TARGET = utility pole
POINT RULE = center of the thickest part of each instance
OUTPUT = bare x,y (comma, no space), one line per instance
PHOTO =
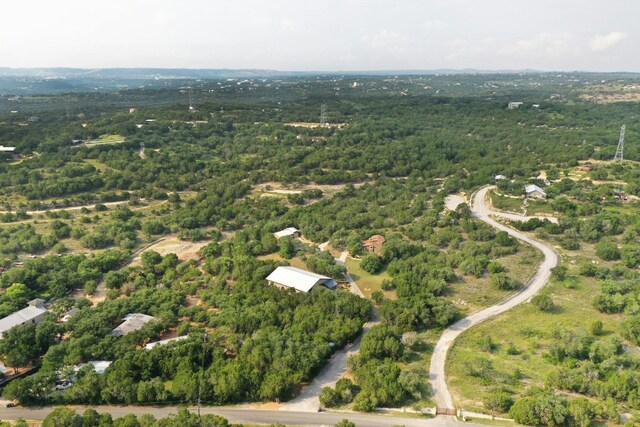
620,150
192,108
204,352
323,115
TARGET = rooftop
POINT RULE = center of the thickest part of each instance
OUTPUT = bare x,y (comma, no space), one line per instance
23,316
163,342
290,231
100,366
299,279
132,322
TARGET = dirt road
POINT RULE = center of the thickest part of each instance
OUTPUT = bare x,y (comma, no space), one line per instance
480,210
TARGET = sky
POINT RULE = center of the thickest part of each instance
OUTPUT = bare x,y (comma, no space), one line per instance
323,35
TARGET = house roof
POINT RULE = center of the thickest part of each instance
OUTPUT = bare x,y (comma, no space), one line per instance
163,342
7,149
19,317
100,366
132,322
69,314
290,231
532,188
299,279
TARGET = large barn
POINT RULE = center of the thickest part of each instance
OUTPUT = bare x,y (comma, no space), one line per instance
299,279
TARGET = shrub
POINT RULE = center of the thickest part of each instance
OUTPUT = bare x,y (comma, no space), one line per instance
596,328
504,282
544,302
498,402
607,251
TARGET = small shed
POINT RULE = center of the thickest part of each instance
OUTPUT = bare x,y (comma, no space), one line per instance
289,231
299,279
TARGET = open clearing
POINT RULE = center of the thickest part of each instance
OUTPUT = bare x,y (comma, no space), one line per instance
184,250
312,125
367,282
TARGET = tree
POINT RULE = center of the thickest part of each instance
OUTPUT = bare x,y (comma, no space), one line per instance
345,423
328,397
62,417
544,302
371,263
287,248
499,402
381,342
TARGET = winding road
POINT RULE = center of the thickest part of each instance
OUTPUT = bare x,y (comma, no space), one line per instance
480,210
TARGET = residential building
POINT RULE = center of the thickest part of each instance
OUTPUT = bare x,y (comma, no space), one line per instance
290,231
33,313
132,322
533,190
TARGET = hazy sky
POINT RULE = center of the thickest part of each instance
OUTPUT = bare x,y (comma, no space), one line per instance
593,35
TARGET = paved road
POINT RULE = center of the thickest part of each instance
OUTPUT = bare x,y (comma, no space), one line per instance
236,415
479,210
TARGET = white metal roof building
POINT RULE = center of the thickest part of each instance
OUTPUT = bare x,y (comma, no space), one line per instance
290,231
132,322
163,342
100,366
7,149
299,279
33,313
534,190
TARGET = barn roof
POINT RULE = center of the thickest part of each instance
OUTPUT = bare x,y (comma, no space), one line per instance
299,279
289,231
20,317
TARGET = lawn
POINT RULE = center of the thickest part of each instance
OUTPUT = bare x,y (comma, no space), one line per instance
472,294
525,332
506,203
367,282
108,139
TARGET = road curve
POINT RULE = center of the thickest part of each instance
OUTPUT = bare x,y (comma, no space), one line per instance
479,210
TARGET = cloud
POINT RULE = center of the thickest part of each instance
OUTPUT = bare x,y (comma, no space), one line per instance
603,42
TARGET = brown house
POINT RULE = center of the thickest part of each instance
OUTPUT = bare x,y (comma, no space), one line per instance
584,168
374,243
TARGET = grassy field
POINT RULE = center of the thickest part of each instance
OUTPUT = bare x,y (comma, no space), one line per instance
367,282
107,139
535,207
506,204
520,338
473,294
294,262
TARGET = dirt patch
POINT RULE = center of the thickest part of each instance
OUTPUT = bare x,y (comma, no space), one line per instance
311,125
184,250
